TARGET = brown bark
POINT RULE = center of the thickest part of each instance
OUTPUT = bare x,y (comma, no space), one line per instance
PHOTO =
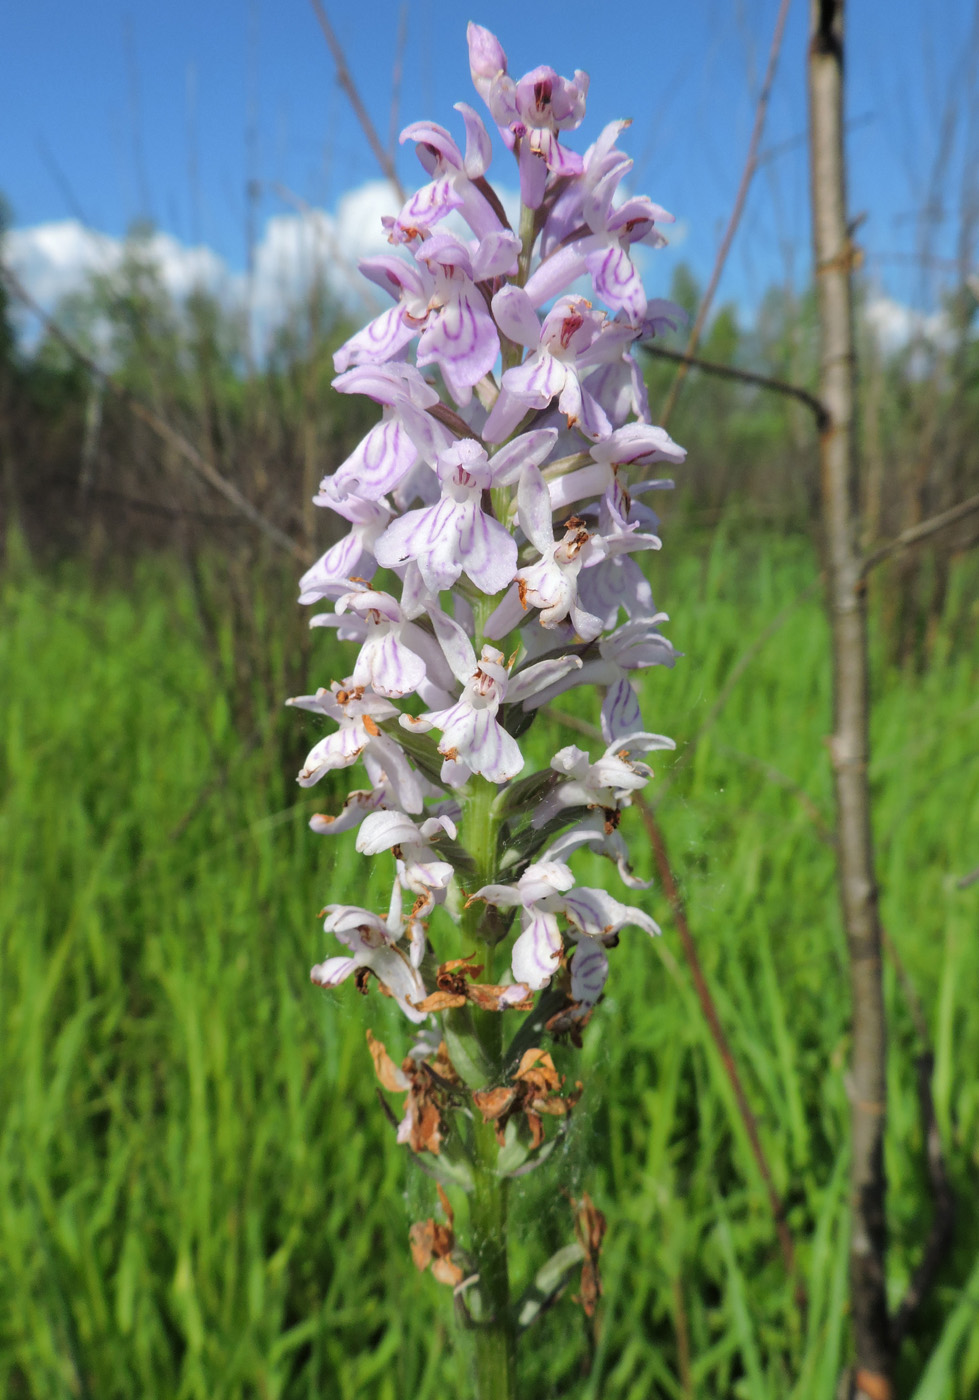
850,743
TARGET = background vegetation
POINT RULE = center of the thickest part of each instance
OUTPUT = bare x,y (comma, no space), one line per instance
199,1195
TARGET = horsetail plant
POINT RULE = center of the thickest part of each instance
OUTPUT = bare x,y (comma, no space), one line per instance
495,511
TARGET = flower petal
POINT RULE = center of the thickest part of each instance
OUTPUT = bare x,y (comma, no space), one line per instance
516,317
332,972
589,971
537,951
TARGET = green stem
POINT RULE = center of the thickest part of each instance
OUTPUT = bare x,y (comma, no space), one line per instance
528,233
495,1331
496,1351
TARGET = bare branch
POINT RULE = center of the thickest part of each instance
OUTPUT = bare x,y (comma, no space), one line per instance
745,376
346,81
833,256
747,175
168,434
916,533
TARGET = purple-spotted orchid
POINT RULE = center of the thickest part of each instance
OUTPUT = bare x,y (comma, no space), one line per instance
487,564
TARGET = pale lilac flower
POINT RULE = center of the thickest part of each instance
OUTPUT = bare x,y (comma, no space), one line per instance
566,213
602,790
471,734
358,804
390,334
585,577
530,111
397,657
595,920
473,740
633,646
544,891
595,914
572,340
551,585
419,869
357,712
460,335
537,950
352,555
607,783
608,234
372,941
389,452
452,185
589,971
634,445
549,527
615,581
456,535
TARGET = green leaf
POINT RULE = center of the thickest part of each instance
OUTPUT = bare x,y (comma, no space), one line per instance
520,848
523,793
420,748
548,1282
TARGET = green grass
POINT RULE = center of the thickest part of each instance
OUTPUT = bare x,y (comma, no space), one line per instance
199,1195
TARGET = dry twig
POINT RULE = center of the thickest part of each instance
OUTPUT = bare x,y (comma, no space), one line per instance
745,376
345,79
922,531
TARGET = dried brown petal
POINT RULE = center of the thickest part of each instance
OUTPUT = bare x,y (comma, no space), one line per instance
555,1106
488,998
446,1203
447,1272
536,1129
465,966
422,1240
392,1078
591,1288
589,1226
537,1069
443,1066
433,1243
494,1102
440,1001
426,1125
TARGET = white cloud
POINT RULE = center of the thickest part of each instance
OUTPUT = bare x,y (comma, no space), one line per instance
895,325
295,250
54,260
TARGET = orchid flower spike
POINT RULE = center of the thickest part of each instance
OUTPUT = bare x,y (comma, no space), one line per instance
493,529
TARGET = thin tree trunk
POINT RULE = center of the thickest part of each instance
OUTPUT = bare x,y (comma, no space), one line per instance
850,744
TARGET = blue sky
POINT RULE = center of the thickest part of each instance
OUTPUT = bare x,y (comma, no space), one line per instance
117,111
